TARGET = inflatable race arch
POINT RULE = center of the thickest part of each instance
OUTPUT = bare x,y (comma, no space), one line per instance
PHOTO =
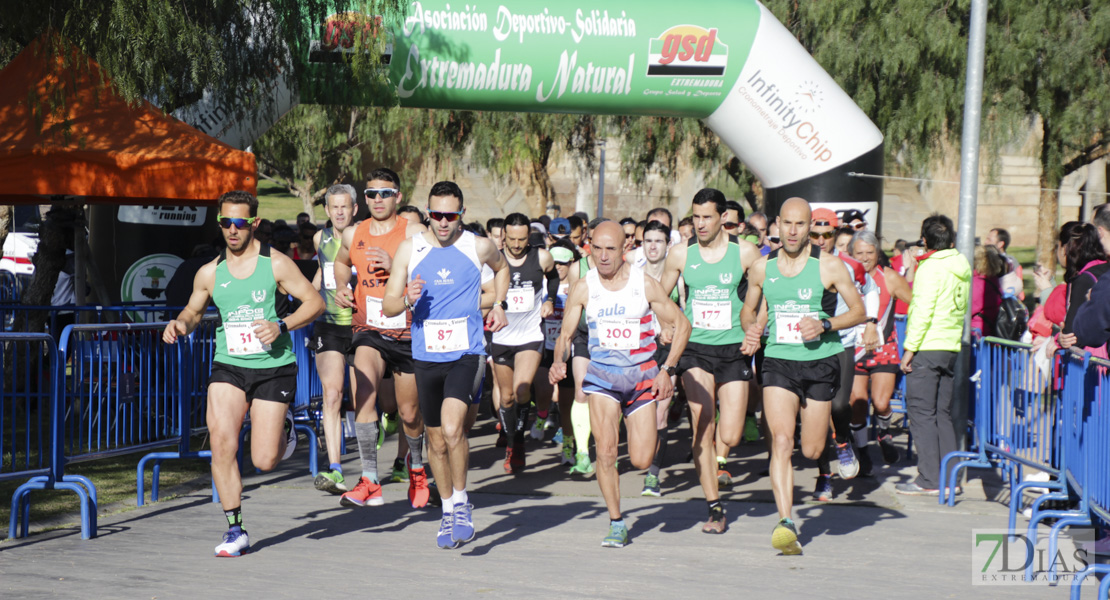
728,62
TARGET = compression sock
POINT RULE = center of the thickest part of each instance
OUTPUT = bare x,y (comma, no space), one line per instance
416,451
508,418
580,422
234,517
367,436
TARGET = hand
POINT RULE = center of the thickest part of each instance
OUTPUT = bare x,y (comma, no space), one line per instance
810,329
546,309
1066,340
379,259
661,386
173,329
496,319
871,337
345,298
907,361
1041,278
666,335
266,331
557,373
751,339
416,287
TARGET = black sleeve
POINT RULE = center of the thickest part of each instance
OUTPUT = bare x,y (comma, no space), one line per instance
552,284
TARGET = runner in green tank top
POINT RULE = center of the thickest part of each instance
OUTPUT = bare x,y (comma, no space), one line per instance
714,373
796,287
254,359
331,334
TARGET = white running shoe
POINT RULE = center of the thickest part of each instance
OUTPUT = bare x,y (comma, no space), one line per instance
235,544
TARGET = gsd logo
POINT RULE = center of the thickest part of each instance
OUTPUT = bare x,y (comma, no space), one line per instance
687,50
258,295
726,278
805,293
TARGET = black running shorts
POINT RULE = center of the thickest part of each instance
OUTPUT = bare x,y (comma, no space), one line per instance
436,381
277,384
397,354
812,379
725,363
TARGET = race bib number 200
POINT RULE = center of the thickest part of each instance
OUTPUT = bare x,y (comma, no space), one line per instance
619,334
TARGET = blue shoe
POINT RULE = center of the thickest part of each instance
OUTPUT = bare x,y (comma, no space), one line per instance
235,543
617,538
463,528
823,491
443,537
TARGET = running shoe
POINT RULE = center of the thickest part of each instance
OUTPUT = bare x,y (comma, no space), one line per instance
849,465
434,499
716,522
865,463
891,454
617,538
785,538
537,429
502,441
400,472
390,421
290,436
515,459
558,439
383,421
912,489
651,486
443,536
724,478
330,482
823,492
235,543
751,429
568,453
418,488
582,464
463,528
366,492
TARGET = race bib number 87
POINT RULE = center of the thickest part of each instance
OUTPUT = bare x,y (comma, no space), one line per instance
446,335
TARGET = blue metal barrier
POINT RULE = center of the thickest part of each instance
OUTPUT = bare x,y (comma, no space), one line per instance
1015,421
15,316
1086,382
11,287
30,429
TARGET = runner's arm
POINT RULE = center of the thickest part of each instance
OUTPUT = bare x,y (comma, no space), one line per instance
189,317
669,315
396,301
753,320
290,279
548,265
344,295
490,255
318,277
672,268
572,312
897,286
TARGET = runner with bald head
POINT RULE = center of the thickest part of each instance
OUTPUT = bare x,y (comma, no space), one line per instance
623,377
794,290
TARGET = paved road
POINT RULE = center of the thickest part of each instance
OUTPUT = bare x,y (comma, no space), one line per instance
539,536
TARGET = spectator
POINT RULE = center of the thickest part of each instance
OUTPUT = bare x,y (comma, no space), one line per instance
264,232
844,235
1085,263
758,220
303,218
413,214
986,293
578,232
1100,218
495,227
284,239
853,219
1011,280
628,224
933,338
900,246
305,250
774,242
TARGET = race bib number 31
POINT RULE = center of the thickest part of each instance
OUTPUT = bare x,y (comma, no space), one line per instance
619,334
241,340
446,335
788,327
716,316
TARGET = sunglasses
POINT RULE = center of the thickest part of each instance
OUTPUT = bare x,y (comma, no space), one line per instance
813,235
731,226
822,224
227,222
774,239
384,193
859,226
439,216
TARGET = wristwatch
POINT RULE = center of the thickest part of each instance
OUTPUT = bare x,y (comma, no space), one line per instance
283,327
872,320
826,325
669,369
504,304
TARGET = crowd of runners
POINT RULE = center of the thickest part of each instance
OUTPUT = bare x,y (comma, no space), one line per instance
569,325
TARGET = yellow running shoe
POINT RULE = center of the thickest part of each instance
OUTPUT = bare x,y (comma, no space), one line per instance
785,538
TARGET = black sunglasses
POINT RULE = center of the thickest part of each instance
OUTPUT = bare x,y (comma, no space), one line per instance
827,235
774,239
439,216
384,193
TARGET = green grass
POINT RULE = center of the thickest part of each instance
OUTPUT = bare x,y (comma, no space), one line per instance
275,202
115,482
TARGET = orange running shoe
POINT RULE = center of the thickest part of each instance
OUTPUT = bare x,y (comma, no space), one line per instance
418,488
366,492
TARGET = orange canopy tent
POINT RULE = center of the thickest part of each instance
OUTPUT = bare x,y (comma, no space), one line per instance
98,148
